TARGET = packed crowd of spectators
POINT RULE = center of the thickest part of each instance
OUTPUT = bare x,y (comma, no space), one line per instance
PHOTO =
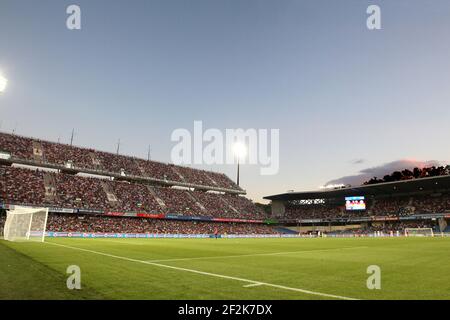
390,207
25,186
401,206
405,206
78,192
244,205
102,224
134,197
222,180
83,158
21,186
179,201
18,146
416,173
56,153
432,204
313,212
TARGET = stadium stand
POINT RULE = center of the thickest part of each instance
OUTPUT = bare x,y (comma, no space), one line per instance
402,206
94,191
36,187
36,152
312,212
102,224
417,198
21,186
88,223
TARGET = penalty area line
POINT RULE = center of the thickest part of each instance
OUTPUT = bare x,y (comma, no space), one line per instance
216,275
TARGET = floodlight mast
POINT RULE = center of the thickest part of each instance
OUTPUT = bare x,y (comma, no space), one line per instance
238,172
239,151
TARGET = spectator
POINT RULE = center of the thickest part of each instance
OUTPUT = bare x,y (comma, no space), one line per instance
43,188
40,152
102,224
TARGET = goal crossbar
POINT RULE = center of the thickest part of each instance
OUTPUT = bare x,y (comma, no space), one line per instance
419,232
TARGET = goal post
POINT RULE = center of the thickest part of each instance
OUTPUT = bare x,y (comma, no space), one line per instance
419,232
25,224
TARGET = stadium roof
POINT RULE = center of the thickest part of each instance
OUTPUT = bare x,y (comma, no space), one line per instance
432,184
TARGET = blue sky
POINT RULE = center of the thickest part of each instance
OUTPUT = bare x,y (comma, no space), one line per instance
138,70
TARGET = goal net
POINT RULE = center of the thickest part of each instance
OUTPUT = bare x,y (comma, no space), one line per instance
419,232
25,224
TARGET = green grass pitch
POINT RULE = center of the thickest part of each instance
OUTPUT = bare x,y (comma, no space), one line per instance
327,268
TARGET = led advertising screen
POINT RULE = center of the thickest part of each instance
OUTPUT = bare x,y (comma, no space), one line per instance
355,203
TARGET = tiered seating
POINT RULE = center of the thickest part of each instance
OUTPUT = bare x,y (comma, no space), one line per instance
222,180
102,224
115,163
59,154
215,205
158,170
21,186
193,176
401,206
25,186
84,223
179,202
313,212
19,147
431,204
89,159
388,207
244,206
135,197
80,192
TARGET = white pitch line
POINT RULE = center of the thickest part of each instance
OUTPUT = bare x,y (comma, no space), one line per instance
119,242
256,254
207,273
253,285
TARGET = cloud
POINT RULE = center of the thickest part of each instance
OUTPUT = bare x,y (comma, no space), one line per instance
382,170
358,161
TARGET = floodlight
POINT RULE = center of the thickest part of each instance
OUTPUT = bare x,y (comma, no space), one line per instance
239,150
3,83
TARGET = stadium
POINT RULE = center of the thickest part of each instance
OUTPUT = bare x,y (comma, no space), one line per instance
154,220
224,158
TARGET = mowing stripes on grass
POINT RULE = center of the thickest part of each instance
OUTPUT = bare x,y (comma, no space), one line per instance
256,254
252,282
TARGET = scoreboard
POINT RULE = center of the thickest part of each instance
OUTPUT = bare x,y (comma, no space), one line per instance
355,203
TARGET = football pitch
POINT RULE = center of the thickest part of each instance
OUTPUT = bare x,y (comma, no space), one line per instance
325,268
